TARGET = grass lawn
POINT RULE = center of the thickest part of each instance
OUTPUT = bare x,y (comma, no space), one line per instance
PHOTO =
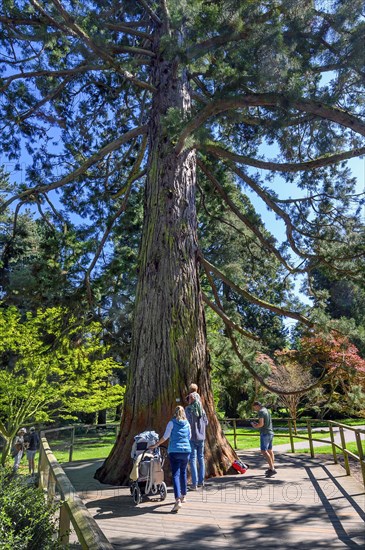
353,421
327,449
94,445
246,439
89,448
85,448
85,452
249,439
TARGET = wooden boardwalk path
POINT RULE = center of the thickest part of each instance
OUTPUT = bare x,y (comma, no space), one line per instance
308,504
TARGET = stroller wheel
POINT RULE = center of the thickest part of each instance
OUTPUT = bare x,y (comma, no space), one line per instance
163,491
137,496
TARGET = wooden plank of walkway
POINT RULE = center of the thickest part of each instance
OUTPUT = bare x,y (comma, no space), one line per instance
308,504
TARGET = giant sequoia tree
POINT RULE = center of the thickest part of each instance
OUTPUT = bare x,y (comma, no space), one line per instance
177,97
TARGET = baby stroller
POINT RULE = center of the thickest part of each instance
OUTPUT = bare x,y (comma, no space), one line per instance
147,476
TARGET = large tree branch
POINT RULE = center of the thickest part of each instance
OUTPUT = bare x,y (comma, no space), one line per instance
51,20
112,146
248,223
123,27
54,93
133,50
150,12
133,176
218,308
166,21
227,320
215,42
19,20
322,380
98,49
230,326
65,72
253,299
290,228
223,39
104,239
319,162
223,220
273,206
317,108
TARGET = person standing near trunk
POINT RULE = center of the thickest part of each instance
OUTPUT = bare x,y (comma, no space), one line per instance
179,432
264,423
198,422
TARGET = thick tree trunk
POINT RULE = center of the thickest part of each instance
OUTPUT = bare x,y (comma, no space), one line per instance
169,339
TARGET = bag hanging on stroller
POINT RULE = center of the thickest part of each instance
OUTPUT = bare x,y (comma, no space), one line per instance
147,476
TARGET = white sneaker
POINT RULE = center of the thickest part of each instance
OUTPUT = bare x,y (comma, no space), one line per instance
176,507
183,499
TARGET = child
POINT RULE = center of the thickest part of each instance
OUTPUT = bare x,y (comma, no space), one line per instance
194,401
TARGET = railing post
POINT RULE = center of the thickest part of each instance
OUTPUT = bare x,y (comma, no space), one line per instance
361,454
291,435
345,455
309,428
235,433
64,525
334,451
72,443
51,489
43,471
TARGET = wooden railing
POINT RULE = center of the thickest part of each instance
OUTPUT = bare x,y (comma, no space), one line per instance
294,434
85,427
346,453
73,511
53,480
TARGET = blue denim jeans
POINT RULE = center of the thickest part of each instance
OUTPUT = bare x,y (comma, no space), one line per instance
197,455
179,463
266,442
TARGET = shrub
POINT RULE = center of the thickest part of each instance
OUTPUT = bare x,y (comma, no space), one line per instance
26,521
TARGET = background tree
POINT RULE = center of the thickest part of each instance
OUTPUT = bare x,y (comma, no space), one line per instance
325,373
287,372
112,96
51,366
334,356
344,300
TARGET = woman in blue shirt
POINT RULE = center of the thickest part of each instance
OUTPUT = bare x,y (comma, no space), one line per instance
179,432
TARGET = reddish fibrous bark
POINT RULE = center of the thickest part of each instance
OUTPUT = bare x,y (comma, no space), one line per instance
168,349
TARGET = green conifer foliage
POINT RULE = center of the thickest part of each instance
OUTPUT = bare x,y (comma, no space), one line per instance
116,101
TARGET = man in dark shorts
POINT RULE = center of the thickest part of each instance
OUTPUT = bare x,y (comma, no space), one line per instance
264,423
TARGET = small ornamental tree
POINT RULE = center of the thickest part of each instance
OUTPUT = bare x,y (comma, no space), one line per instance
325,372
290,374
51,365
335,358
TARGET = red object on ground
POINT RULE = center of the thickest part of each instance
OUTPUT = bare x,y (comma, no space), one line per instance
240,467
